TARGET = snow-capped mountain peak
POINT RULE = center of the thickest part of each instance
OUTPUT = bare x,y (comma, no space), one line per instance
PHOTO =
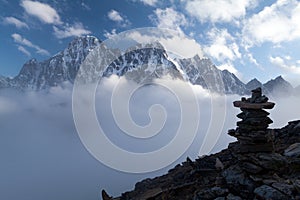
140,63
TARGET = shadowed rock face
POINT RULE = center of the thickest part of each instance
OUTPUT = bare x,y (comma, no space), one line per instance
268,167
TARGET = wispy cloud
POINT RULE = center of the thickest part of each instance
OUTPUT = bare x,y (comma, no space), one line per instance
282,63
148,2
252,59
23,41
14,21
70,30
169,18
117,17
85,6
25,51
110,34
222,45
230,67
44,12
218,10
169,39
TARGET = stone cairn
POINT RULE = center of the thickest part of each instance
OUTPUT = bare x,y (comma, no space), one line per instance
252,132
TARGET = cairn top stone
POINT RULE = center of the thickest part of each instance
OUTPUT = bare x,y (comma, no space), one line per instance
256,101
255,106
257,90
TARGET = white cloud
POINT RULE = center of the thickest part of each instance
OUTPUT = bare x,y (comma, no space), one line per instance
49,15
218,10
23,41
169,18
68,31
42,11
115,16
110,34
149,2
25,51
276,23
287,57
16,22
152,3
277,61
229,67
169,39
19,39
282,63
222,46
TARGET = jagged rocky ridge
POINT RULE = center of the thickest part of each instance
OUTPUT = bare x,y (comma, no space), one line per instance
57,69
3,82
153,59
235,173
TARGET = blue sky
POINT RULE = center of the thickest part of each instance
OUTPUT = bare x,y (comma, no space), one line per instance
250,38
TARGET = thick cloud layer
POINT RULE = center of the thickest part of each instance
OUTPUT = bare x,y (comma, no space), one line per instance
42,156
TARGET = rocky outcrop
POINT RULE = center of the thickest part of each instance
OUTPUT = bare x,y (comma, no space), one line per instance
252,133
105,196
264,174
3,82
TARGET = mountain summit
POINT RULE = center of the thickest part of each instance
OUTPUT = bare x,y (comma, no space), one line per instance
281,86
254,83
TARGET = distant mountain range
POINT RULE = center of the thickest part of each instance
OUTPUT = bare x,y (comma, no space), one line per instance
151,61
277,86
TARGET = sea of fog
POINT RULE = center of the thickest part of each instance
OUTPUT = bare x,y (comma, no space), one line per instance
42,156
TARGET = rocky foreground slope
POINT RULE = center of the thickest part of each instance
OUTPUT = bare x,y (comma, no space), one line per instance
264,164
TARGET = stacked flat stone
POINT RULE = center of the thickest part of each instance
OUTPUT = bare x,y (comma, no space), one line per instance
252,133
